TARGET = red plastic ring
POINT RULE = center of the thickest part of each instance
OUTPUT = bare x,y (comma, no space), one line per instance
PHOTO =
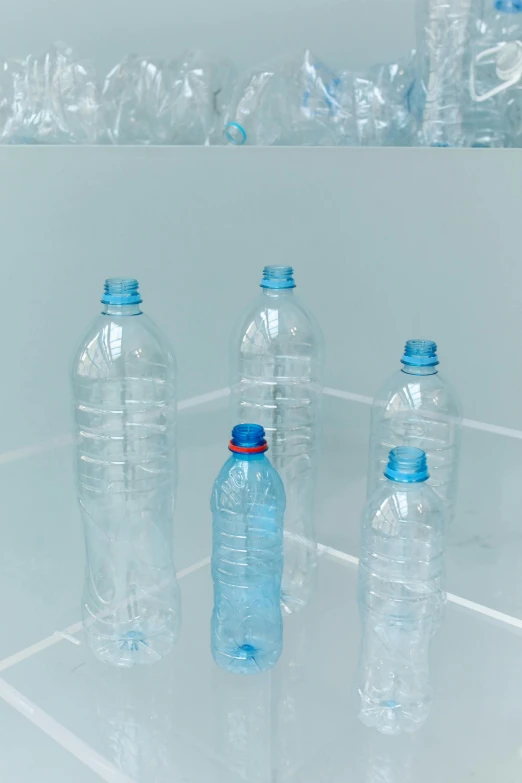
251,450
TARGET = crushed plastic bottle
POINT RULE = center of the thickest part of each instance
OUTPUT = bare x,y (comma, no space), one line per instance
381,103
201,90
54,100
291,102
248,505
183,101
135,99
401,594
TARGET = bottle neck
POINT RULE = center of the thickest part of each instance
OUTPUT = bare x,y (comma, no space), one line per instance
277,293
410,370
248,457
126,309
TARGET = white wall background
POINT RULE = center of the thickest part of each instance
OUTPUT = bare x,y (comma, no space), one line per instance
387,244
352,33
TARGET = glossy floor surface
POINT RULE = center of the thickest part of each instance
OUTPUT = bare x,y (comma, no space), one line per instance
64,717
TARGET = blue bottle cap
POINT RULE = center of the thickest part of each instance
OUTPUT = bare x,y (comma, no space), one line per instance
407,465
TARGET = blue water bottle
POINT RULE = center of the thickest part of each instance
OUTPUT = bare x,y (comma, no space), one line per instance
247,504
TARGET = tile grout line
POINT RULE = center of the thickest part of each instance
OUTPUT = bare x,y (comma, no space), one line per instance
66,633
507,432
62,736
508,619
66,440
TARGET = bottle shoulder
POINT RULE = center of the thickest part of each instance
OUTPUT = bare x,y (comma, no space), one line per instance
405,392
135,341
394,505
243,483
268,321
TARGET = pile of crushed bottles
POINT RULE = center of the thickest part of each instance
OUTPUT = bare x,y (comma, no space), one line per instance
460,87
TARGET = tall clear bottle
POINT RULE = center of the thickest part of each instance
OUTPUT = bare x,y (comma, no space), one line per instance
276,366
248,505
417,407
124,387
443,35
401,594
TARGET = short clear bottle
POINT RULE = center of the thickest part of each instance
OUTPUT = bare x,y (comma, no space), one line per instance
401,595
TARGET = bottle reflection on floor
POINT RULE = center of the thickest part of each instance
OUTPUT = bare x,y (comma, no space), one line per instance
386,759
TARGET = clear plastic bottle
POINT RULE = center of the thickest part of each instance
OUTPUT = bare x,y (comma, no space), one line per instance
53,99
495,74
442,48
124,385
291,102
382,97
401,595
248,505
276,365
417,407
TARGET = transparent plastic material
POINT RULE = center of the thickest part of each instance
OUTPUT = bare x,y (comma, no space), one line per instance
381,103
51,99
178,102
495,90
417,407
292,101
443,52
124,384
248,505
401,597
276,363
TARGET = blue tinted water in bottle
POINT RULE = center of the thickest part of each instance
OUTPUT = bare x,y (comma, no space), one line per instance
247,504
401,594
124,386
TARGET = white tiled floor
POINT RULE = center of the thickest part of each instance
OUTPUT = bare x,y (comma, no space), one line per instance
185,721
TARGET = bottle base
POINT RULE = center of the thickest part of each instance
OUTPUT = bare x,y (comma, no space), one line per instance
245,659
391,717
132,648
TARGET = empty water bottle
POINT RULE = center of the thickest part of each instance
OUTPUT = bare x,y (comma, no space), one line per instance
495,89
276,381
401,595
184,101
442,49
54,100
417,407
291,102
124,384
248,505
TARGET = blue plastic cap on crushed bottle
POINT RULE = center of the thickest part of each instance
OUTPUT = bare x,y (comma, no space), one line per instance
121,291
277,277
420,353
407,465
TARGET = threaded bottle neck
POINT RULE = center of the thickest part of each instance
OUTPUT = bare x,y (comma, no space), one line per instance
420,357
278,277
248,439
121,291
407,465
